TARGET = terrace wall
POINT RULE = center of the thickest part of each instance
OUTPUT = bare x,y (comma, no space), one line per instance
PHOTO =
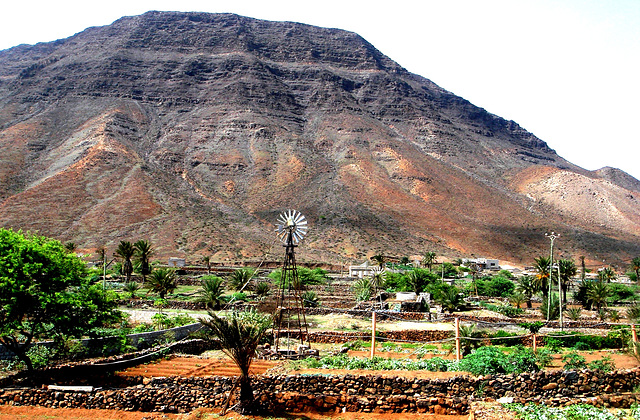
371,393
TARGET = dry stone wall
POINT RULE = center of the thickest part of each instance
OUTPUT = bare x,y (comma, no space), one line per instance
370,393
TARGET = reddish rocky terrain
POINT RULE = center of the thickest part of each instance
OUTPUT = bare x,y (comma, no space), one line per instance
195,130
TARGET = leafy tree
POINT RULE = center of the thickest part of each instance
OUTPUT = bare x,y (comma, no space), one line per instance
528,287
497,286
126,251
44,293
429,259
211,291
161,281
305,277
142,253
239,335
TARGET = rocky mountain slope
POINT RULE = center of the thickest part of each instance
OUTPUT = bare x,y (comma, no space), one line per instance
195,130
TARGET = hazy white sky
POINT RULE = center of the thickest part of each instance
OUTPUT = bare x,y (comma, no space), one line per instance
566,70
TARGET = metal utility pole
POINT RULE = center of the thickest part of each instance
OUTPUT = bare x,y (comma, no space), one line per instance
552,236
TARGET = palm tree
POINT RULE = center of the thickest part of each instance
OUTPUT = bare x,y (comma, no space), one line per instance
418,279
240,277
607,274
379,259
449,298
429,259
207,263
125,251
131,288
517,300
143,252
528,287
583,268
377,279
474,269
568,269
635,266
211,292
597,294
239,335
542,277
161,281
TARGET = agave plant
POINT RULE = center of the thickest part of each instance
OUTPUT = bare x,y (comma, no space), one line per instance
363,289
573,313
263,289
310,299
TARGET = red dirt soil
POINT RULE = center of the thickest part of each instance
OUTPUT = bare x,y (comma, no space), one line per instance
189,366
41,413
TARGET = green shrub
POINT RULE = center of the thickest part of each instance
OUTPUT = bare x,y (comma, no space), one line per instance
522,359
485,361
605,364
574,361
581,345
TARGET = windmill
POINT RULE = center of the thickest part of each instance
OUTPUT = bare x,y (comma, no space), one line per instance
290,321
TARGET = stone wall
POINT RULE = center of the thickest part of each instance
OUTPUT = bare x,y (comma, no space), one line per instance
370,393
401,335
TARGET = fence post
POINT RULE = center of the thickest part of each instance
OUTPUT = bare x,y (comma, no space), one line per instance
373,334
634,337
535,342
457,324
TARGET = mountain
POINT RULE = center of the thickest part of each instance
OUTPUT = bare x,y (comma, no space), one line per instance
196,130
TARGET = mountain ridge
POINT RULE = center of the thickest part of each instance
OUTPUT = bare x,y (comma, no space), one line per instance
212,124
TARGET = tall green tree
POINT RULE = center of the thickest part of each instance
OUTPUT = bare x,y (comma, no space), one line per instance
45,293
528,287
543,276
568,270
597,293
125,251
429,259
606,275
379,259
635,266
419,279
239,335
142,254
162,281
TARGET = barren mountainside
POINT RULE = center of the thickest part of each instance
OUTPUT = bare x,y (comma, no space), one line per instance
195,130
